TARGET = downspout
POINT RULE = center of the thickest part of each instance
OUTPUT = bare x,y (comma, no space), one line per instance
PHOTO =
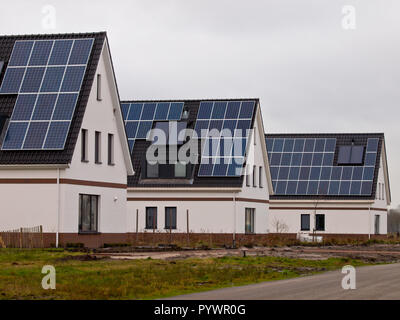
58,209
369,222
234,221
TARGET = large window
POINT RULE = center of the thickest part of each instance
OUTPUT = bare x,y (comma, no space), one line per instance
97,147
151,217
170,217
320,222
84,144
249,220
88,213
305,222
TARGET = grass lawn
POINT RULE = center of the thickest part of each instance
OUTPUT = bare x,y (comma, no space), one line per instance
20,274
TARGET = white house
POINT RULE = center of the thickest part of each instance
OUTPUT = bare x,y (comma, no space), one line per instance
329,184
64,157
92,169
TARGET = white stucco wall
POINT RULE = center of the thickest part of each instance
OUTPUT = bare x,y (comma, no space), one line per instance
28,205
99,116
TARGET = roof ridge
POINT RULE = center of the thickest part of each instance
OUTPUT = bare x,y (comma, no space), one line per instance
188,100
52,34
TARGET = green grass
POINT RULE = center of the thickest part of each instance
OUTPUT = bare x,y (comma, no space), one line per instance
20,274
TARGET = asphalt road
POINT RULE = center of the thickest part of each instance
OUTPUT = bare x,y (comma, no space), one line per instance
372,282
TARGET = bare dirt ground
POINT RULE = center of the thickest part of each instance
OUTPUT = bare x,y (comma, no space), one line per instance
373,253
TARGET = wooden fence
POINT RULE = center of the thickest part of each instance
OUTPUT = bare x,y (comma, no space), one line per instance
22,238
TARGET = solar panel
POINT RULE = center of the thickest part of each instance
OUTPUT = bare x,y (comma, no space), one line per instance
228,123
305,166
139,117
47,75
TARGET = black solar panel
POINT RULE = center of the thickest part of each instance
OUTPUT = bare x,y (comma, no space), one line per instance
139,117
305,166
47,76
224,126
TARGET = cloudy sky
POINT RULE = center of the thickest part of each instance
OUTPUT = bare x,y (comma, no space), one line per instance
314,67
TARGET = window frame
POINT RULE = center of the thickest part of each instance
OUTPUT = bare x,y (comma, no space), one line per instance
174,219
252,213
110,149
97,147
80,224
84,145
316,222
301,221
153,226
98,82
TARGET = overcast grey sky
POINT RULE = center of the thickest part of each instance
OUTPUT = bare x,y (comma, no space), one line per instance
310,73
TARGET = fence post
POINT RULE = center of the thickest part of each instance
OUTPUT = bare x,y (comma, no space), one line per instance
41,235
137,225
20,238
187,226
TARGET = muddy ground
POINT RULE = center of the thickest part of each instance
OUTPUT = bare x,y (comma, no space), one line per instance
372,253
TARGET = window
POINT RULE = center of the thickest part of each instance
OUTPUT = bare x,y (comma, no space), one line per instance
170,217
151,217
110,149
320,222
248,179
254,176
162,166
180,170
305,222
84,145
152,170
377,224
249,220
379,191
99,87
383,191
350,154
88,213
97,147
260,177
254,136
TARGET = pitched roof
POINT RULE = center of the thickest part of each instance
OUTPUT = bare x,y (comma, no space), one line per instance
342,139
195,181
8,157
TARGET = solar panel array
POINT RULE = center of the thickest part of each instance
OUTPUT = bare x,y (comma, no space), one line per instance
139,117
224,128
47,75
305,166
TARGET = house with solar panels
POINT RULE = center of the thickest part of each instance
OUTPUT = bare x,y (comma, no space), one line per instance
328,184
221,188
92,169
64,158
